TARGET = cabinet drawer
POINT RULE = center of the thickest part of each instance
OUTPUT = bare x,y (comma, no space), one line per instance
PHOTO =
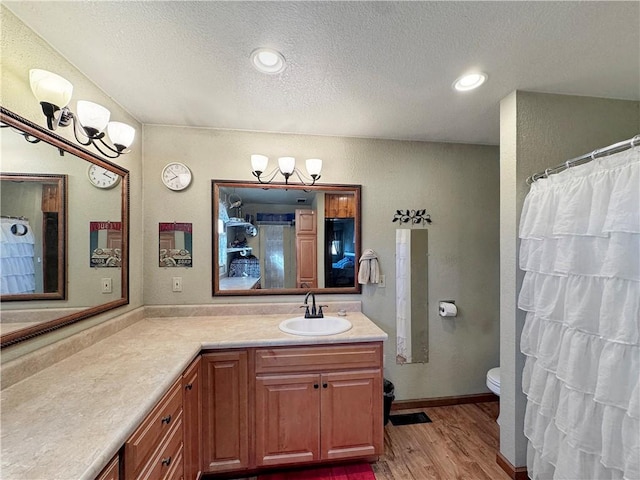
166,461
153,430
111,471
336,357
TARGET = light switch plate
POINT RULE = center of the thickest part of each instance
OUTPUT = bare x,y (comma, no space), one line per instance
106,285
382,283
177,284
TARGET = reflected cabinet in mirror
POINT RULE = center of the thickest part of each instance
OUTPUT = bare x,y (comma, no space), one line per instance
285,239
65,228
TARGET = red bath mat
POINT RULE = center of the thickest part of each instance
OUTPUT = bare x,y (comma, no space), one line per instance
360,471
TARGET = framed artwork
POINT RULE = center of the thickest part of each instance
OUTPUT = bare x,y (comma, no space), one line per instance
175,244
105,244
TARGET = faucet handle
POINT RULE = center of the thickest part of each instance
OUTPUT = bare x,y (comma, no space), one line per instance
306,312
320,314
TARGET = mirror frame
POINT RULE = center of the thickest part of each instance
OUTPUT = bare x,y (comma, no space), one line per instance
37,133
61,182
215,198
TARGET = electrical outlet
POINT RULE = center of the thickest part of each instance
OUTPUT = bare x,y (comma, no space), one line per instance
106,285
177,284
382,283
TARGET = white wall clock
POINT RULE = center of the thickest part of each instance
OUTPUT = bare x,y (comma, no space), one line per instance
176,176
102,178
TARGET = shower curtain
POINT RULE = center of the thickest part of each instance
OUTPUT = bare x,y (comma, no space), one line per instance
580,250
17,269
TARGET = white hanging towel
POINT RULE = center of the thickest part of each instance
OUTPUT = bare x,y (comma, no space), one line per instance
369,271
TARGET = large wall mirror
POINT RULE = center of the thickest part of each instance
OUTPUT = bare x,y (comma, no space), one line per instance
56,228
285,239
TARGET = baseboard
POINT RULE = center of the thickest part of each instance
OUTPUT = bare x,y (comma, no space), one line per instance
444,401
516,473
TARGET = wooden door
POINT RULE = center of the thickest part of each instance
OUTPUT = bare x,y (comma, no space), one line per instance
192,406
287,419
306,223
225,426
351,414
306,249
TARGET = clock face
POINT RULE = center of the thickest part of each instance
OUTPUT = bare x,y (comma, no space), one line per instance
176,176
102,178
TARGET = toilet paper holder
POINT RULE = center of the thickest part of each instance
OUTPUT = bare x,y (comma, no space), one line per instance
445,310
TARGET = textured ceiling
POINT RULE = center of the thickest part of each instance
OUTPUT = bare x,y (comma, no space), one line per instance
371,69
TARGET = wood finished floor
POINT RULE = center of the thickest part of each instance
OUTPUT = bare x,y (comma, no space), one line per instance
461,443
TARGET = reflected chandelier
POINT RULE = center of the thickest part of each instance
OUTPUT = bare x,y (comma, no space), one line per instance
286,167
89,123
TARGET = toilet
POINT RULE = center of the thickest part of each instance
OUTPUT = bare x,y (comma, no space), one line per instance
493,380
493,383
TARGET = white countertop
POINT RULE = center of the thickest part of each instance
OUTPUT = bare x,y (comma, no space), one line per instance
69,420
238,283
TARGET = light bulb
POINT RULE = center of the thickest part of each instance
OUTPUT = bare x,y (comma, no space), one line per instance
259,162
121,134
93,117
50,88
314,166
287,165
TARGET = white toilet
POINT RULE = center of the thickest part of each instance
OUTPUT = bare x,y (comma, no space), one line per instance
493,383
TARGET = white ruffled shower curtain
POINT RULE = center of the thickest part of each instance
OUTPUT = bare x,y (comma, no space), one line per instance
580,249
17,270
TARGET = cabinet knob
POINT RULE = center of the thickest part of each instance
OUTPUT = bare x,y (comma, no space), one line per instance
315,385
324,385
166,419
166,462
188,386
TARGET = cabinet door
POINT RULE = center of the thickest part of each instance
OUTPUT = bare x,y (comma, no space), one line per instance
111,471
225,434
287,419
306,223
306,258
351,414
191,391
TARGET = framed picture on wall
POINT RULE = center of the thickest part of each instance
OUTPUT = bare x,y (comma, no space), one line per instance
175,244
105,244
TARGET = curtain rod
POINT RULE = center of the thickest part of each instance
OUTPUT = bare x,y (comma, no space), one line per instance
586,158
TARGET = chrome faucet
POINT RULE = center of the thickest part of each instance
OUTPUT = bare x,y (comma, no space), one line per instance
313,313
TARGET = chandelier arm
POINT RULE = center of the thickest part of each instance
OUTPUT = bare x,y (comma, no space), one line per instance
97,145
77,130
303,178
114,150
269,176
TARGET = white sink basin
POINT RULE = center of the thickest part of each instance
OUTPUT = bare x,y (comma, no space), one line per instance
315,326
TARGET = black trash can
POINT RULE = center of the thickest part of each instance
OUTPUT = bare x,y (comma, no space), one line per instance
389,397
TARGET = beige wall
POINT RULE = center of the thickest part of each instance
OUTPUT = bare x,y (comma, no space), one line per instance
22,50
538,131
456,184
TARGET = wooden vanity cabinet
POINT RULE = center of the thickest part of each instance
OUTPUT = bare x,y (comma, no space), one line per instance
111,471
318,403
155,449
225,411
192,412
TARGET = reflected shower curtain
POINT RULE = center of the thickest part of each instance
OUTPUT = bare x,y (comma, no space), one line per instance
580,249
17,270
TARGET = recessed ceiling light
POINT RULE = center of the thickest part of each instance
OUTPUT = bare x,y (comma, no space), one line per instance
267,60
469,81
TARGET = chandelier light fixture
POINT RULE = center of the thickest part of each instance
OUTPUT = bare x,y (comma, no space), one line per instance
91,122
287,168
